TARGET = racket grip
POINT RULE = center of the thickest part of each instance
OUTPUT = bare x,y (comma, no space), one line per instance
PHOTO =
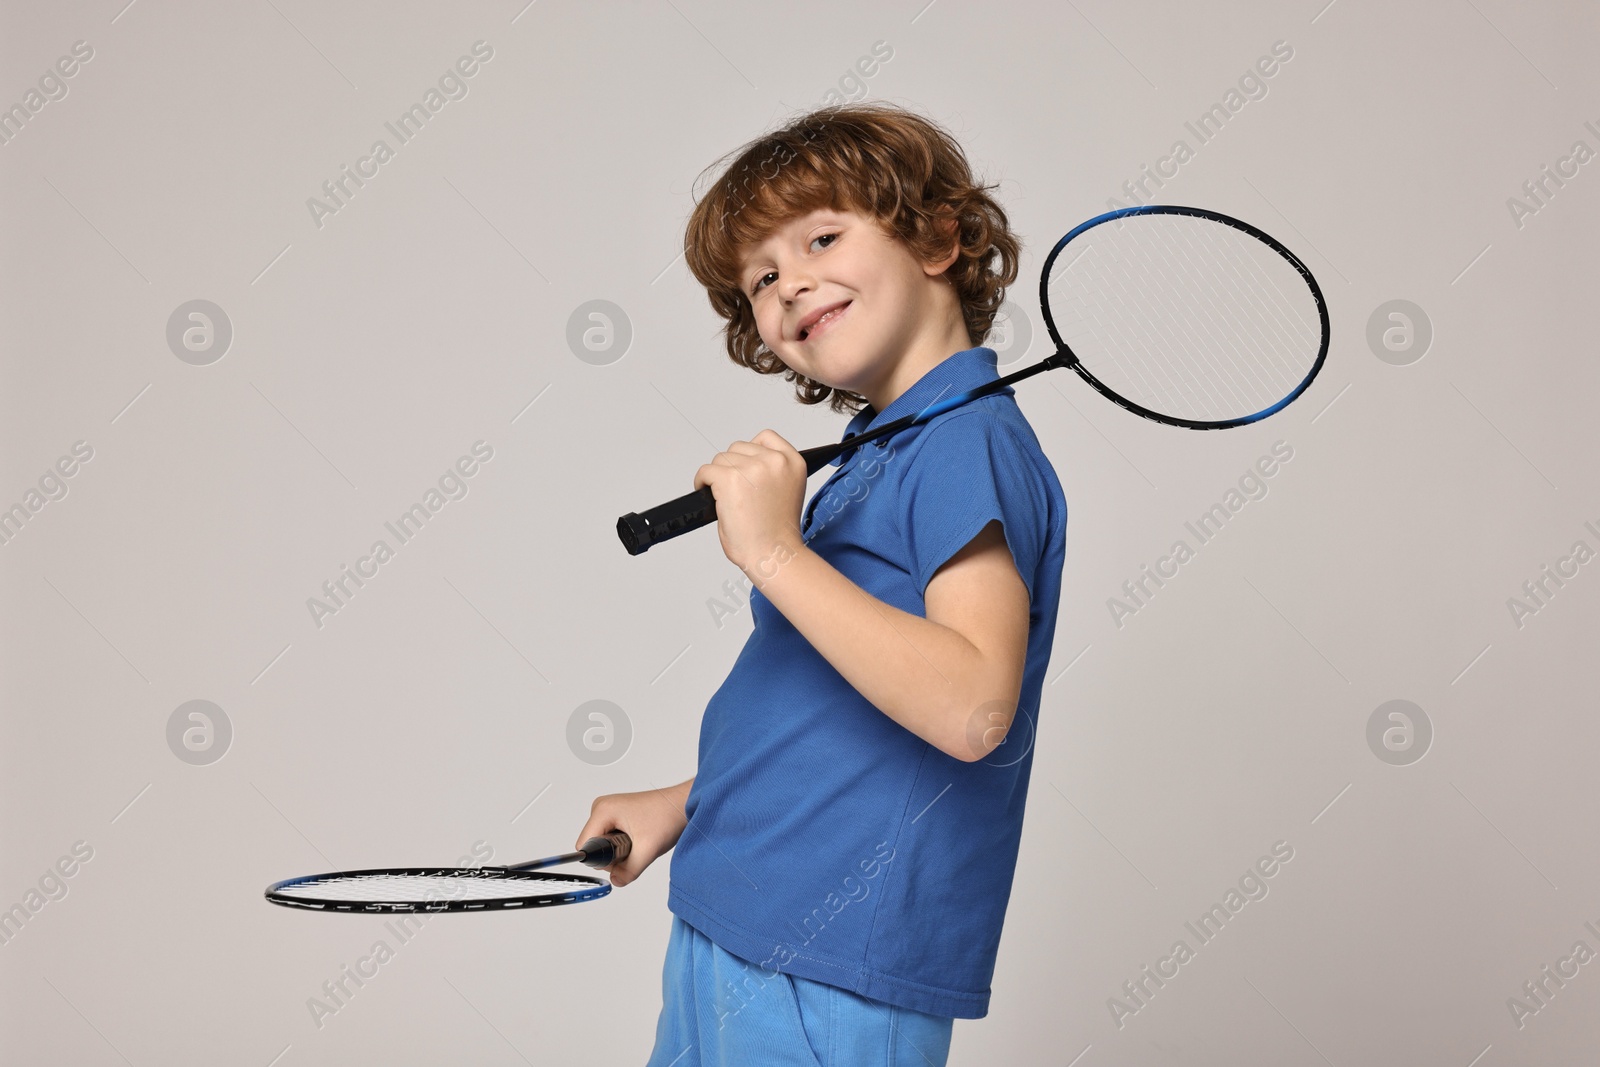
640,530
604,851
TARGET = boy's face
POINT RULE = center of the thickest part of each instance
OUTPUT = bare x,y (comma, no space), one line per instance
831,259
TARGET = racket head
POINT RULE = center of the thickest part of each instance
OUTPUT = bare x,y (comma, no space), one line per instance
435,889
1185,316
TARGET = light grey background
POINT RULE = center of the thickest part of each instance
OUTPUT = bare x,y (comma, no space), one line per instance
431,713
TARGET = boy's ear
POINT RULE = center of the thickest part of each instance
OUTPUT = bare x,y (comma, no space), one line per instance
946,226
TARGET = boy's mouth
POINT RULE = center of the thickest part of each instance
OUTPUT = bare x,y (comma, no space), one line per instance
826,318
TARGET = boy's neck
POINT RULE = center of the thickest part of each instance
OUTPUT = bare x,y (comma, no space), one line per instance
917,361
943,334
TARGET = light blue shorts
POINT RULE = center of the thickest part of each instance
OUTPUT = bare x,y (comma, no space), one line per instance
719,1011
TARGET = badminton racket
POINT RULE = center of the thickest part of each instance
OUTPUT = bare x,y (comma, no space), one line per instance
1180,315
432,889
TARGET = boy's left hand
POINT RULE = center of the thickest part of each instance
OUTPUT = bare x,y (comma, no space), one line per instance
760,486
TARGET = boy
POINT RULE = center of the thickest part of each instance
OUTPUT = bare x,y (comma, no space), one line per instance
845,851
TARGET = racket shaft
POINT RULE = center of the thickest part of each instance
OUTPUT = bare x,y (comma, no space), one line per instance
596,852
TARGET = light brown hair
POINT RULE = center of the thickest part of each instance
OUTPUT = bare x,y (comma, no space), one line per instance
879,160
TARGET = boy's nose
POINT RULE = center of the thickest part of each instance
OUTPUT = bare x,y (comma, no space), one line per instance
795,283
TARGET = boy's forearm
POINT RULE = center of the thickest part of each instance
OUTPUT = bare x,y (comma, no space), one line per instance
678,795
925,676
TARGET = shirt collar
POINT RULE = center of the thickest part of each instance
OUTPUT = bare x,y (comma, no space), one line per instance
965,370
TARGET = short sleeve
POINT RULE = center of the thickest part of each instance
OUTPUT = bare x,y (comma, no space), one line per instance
968,470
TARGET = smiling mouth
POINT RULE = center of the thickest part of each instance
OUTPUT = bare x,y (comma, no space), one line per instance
827,320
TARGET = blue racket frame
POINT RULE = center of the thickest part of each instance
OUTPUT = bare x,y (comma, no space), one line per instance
1067,358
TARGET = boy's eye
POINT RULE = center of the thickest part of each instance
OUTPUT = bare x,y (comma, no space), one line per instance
829,237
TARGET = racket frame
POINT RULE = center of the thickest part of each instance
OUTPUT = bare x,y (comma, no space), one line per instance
599,888
599,851
1070,358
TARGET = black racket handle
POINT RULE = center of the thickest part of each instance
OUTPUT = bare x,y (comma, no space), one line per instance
640,530
604,851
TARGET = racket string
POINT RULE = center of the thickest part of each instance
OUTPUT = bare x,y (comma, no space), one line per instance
1270,320
1186,316
429,888
1225,323
1205,378
1179,382
1222,382
1130,333
1261,324
1127,338
1113,338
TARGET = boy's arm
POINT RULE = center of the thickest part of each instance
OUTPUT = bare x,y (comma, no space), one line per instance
653,817
679,794
952,678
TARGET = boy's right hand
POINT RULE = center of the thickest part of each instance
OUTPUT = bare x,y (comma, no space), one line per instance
653,818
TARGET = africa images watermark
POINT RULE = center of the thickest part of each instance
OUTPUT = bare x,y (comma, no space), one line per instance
337,992
1538,591
1252,85
852,86
52,86
52,486
1252,485
452,485
1541,189
854,891
452,86
1252,886
1538,992
52,887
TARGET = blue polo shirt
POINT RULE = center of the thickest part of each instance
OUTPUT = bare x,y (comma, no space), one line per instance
824,839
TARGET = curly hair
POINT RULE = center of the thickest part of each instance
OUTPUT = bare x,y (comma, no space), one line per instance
879,160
